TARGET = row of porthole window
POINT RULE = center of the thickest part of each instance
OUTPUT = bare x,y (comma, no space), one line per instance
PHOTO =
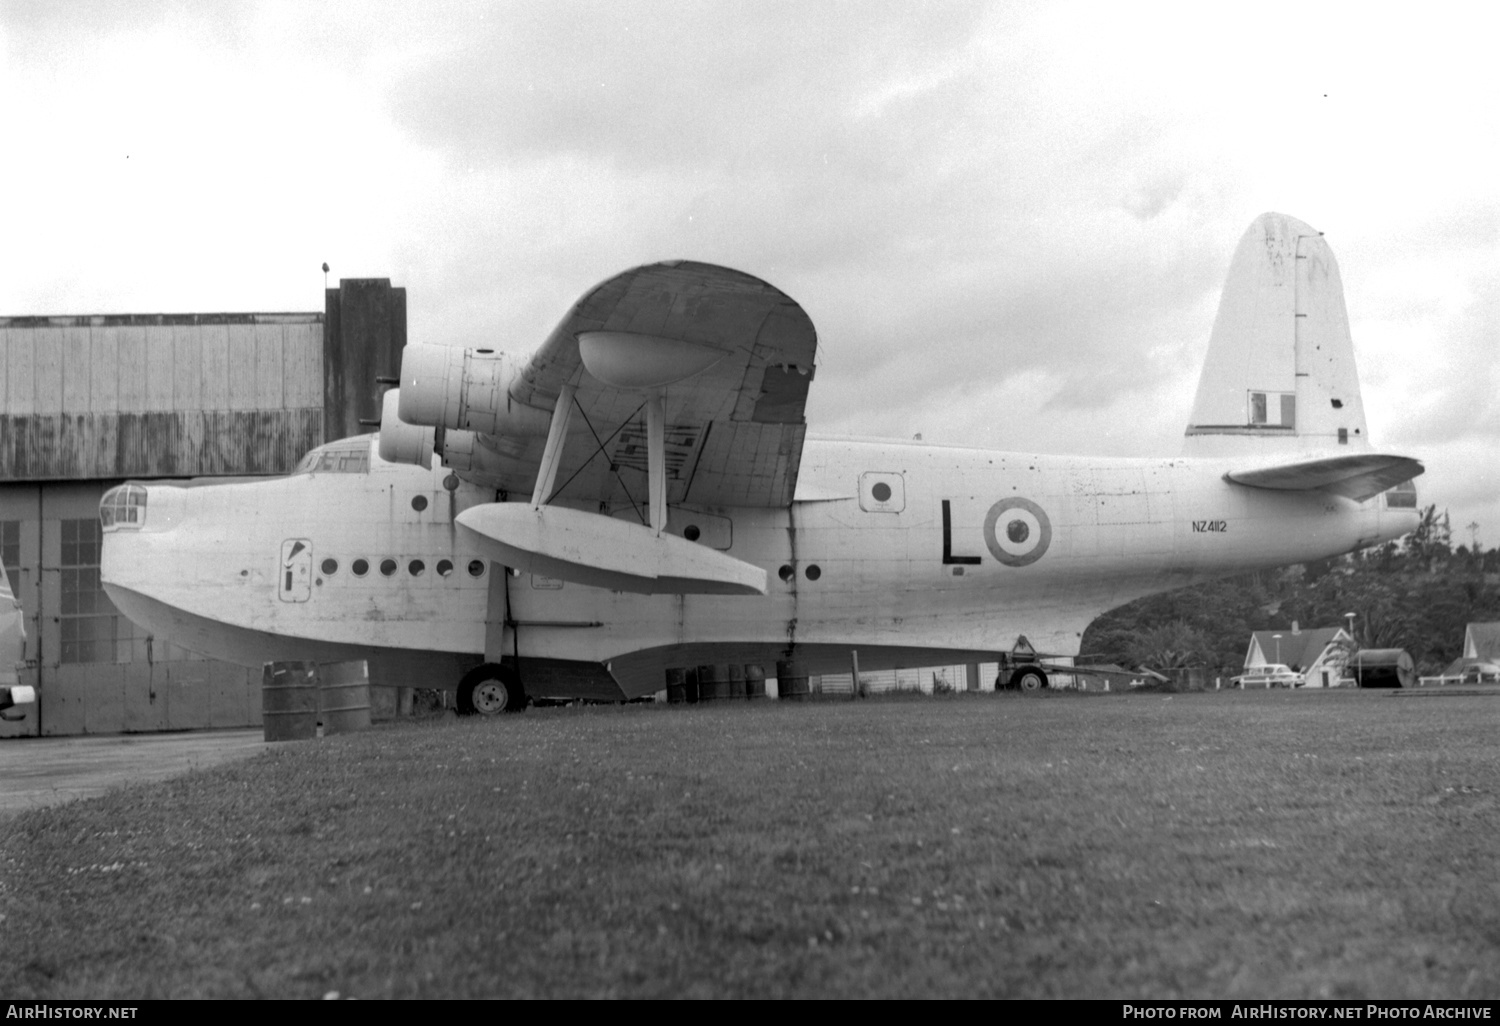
388,567
812,572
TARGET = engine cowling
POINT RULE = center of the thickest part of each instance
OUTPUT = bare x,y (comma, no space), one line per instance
401,442
465,389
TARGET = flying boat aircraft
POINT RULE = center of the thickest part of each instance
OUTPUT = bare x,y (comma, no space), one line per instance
641,493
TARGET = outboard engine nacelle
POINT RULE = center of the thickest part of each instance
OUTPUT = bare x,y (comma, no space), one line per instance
465,389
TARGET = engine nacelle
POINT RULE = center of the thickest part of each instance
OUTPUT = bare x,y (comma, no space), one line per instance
467,390
401,442
478,459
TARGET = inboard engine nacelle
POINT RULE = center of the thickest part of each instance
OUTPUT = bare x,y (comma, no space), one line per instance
462,451
465,389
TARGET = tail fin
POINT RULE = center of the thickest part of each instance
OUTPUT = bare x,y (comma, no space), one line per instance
1280,377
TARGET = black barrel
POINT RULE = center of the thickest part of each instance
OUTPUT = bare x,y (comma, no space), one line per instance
676,686
755,681
690,684
736,680
790,685
1383,668
289,701
714,684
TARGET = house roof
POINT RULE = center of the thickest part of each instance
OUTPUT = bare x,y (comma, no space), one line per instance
1485,637
1298,650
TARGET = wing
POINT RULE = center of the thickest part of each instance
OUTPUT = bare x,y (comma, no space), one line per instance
734,426
1358,477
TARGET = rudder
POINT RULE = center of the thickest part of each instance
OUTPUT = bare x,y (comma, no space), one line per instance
1280,376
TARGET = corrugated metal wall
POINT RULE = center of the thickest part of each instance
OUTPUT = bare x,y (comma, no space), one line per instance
167,395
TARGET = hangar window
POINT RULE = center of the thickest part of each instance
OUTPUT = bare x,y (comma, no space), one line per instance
387,567
91,629
360,567
444,567
10,553
346,456
416,567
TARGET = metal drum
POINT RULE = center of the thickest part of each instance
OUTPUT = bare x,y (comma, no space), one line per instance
736,680
714,684
289,701
344,692
789,686
676,686
755,681
1383,668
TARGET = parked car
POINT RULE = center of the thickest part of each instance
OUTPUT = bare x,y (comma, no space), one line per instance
1271,675
1481,673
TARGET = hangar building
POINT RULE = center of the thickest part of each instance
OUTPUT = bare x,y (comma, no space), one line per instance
87,402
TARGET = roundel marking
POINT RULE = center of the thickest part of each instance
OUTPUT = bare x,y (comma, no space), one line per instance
1023,534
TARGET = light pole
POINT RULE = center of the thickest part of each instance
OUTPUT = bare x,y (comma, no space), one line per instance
1278,658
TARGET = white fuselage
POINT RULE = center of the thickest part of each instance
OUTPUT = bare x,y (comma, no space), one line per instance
1033,545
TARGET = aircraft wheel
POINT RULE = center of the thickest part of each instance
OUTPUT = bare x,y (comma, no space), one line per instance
1028,678
490,690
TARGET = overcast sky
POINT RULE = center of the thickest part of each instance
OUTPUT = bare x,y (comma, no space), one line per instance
1010,222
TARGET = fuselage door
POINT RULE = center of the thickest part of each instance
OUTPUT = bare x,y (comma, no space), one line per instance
296,570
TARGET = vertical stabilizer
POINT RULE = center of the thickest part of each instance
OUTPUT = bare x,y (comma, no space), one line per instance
1280,375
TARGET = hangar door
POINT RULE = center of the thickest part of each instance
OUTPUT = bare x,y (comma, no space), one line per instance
95,671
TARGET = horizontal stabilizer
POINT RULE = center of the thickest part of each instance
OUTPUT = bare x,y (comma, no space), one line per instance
1358,477
602,552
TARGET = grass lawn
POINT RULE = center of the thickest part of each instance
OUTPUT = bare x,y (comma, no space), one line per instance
1261,844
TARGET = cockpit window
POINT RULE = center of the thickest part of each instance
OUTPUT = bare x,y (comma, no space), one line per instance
351,456
1403,496
123,506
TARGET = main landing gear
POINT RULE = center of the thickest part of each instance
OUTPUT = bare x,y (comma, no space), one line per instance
490,690
1028,679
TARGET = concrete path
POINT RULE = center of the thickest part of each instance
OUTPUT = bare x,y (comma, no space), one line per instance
36,771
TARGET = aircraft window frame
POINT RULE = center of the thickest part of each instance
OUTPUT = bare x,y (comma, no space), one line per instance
444,567
123,506
416,568
329,566
388,567
336,458
813,572
476,568
354,567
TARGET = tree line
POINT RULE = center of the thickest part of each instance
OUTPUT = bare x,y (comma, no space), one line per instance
1417,593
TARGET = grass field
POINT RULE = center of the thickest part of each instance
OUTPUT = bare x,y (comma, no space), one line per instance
1266,844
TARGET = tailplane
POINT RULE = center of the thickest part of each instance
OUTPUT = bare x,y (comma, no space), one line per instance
1279,378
